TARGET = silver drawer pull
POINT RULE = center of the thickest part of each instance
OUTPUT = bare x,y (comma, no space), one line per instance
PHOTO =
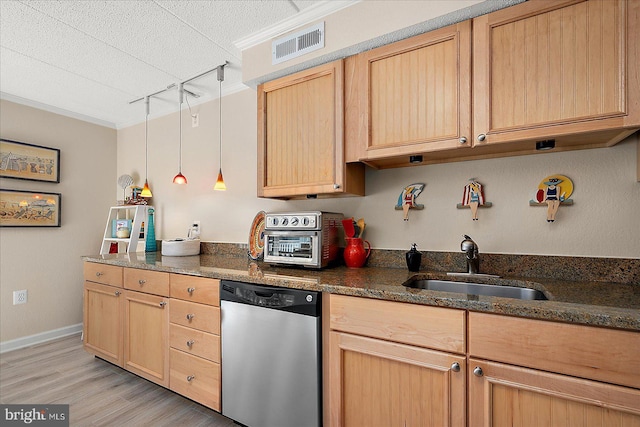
162,304
98,274
455,367
478,371
190,343
142,282
191,377
190,290
117,293
190,316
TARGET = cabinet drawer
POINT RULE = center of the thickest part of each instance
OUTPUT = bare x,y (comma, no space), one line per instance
103,273
202,344
195,378
193,315
584,351
432,327
196,289
150,282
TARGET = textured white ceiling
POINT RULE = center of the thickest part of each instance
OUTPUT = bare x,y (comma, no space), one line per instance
91,58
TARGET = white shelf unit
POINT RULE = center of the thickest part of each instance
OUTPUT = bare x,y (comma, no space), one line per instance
135,242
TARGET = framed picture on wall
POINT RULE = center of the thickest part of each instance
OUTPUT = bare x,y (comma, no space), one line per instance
29,209
27,161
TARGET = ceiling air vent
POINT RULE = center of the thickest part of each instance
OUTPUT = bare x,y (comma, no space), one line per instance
297,44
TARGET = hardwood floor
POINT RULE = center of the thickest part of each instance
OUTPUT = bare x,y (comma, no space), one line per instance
99,394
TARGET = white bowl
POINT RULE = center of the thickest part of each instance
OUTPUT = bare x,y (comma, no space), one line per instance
180,247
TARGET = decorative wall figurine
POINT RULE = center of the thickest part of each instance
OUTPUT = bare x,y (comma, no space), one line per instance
473,197
407,199
553,191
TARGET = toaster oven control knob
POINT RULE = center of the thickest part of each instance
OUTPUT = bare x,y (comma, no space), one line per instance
305,220
285,221
294,220
274,221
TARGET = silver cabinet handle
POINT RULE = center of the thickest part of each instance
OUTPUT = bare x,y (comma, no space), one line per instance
190,343
117,293
463,140
455,367
162,304
190,290
482,137
142,282
478,371
190,316
336,186
191,377
98,274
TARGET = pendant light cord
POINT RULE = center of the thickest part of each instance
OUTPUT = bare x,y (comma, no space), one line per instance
146,139
220,112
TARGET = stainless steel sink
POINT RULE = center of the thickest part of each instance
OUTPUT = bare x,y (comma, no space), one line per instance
477,289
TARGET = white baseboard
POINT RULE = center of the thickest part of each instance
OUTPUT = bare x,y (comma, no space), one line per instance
39,338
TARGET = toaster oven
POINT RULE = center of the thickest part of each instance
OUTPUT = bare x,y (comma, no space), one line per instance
309,239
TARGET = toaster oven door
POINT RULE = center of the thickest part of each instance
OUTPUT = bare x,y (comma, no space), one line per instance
292,247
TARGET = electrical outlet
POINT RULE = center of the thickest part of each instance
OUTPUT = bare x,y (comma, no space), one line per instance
195,120
20,297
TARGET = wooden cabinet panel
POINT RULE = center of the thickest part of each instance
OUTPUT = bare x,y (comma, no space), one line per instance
416,94
146,341
196,289
379,383
300,136
596,353
103,321
196,378
103,273
151,282
199,316
511,396
551,69
433,327
195,342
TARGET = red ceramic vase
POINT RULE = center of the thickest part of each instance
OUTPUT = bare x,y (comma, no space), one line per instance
355,255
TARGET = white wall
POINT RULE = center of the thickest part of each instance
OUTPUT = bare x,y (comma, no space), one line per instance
603,222
46,261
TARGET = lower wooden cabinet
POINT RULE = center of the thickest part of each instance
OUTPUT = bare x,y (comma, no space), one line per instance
381,374
103,321
504,395
195,370
197,378
146,336
381,383
128,321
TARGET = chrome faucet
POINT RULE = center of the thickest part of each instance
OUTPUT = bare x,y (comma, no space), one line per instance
470,249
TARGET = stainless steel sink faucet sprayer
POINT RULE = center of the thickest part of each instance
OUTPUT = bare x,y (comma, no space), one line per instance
470,249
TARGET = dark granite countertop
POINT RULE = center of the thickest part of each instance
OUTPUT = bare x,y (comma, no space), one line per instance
593,303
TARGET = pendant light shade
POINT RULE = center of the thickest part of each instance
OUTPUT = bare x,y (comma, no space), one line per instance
220,185
146,191
180,179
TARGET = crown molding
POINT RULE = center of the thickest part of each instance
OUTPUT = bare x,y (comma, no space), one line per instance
56,110
310,14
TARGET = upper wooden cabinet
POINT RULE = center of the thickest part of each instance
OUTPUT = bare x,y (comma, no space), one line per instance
563,70
410,97
301,136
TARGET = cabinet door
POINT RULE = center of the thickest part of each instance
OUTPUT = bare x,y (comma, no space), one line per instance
504,395
557,69
415,94
380,383
146,343
102,321
300,135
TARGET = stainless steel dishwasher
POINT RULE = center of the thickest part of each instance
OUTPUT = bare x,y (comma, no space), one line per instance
271,355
